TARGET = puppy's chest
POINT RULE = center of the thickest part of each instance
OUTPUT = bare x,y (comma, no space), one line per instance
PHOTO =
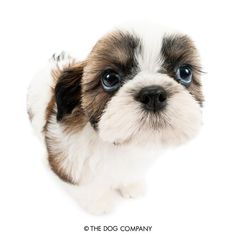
122,161
88,156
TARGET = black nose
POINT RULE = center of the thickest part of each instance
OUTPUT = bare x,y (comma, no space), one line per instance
154,98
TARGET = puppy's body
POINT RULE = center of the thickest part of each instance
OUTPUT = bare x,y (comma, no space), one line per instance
101,136
95,167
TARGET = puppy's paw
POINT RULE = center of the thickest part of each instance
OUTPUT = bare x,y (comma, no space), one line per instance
61,61
133,190
102,205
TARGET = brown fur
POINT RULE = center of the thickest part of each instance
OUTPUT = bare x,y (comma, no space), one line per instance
55,161
76,120
72,122
178,50
50,108
115,51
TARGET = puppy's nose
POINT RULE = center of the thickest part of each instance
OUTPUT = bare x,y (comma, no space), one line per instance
154,98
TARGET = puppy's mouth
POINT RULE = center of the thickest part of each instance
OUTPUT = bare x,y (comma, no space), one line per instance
155,120
151,123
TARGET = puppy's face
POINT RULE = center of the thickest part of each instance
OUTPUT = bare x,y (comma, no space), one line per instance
142,87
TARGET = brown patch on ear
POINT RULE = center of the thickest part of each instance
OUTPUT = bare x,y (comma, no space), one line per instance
66,96
75,121
68,93
115,51
68,90
179,50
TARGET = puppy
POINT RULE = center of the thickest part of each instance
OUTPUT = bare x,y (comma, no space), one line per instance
105,119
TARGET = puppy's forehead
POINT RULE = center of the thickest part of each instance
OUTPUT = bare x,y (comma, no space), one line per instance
116,49
145,49
150,39
122,45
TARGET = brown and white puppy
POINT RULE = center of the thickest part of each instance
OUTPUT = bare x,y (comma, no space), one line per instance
105,119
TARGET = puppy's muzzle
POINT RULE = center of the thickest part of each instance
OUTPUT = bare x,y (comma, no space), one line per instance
153,98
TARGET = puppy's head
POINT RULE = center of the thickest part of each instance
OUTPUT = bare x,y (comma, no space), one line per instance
139,86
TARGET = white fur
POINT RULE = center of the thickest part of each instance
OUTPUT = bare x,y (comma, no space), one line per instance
100,168
118,156
39,95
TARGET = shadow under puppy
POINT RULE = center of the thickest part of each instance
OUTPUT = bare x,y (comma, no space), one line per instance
107,118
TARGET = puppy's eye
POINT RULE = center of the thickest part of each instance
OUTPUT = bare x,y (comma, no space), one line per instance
110,80
184,75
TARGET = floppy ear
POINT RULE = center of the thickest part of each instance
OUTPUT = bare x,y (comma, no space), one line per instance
68,90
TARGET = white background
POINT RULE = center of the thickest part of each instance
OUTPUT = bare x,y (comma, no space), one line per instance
191,191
